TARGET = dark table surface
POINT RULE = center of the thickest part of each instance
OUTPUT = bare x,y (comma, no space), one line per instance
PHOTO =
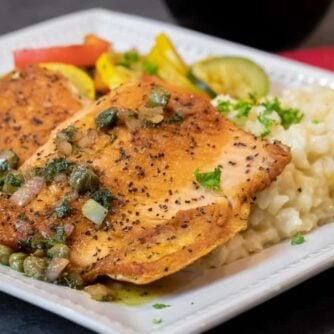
307,309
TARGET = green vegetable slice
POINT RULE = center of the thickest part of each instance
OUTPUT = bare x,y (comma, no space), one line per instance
201,85
236,76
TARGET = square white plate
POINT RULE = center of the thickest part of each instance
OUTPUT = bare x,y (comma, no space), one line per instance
207,297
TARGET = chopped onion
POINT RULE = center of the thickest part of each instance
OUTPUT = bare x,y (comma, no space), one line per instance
72,196
94,211
28,191
133,124
61,178
68,229
88,140
148,113
100,292
64,147
156,119
55,268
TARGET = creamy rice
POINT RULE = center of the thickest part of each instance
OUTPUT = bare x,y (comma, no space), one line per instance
302,197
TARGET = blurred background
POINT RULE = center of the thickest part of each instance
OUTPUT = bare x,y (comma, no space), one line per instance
264,24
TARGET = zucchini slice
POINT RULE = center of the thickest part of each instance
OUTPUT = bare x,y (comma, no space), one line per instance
235,76
201,85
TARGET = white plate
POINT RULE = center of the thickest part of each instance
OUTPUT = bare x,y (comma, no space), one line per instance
206,298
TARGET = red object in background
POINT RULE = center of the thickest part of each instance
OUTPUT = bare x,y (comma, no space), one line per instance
322,57
78,55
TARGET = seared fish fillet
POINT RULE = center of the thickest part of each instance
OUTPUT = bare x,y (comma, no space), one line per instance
33,101
162,219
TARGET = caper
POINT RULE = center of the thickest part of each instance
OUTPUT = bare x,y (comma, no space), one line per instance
12,182
83,179
4,254
71,279
158,97
8,160
35,267
107,119
59,250
16,261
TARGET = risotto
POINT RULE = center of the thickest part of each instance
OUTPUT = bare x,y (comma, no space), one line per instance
302,197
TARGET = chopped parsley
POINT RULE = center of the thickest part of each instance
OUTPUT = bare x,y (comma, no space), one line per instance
128,58
53,168
104,197
243,108
315,121
273,112
37,241
297,239
209,180
150,68
160,306
288,116
175,118
156,321
266,121
67,134
224,106
64,209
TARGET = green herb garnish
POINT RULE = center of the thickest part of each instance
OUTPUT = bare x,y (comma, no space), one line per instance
104,197
160,306
37,241
243,108
64,209
288,116
67,134
224,106
175,118
53,168
209,180
297,239
156,321
150,68
128,58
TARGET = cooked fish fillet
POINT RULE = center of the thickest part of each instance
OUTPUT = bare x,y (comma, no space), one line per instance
33,101
163,219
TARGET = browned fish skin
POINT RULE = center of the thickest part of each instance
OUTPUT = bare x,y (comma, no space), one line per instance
163,219
33,101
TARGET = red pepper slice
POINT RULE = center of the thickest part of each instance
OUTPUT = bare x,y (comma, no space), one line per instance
78,55
92,39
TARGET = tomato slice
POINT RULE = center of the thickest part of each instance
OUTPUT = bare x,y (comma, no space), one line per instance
78,55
